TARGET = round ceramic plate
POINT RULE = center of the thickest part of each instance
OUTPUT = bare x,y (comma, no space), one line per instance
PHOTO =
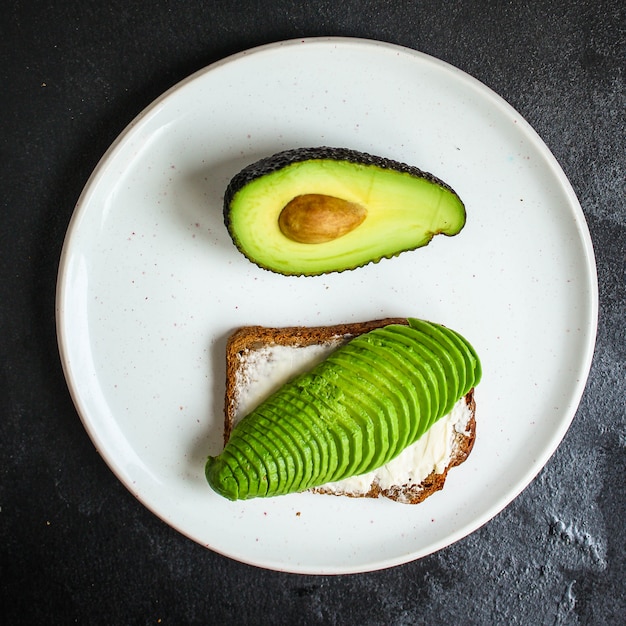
150,286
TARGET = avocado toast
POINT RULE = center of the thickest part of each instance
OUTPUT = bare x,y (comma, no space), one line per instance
382,433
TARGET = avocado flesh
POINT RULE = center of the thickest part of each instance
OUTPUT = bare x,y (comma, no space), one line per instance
418,403
431,363
429,389
348,415
450,355
375,410
376,445
320,437
271,475
283,444
371,372
329,400
404,208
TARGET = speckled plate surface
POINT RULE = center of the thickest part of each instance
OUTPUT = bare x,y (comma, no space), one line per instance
150,286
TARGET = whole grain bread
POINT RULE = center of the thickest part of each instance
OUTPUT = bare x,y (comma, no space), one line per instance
251,338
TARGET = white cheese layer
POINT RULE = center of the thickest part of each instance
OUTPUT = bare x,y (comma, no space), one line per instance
431,452
263,371
266,369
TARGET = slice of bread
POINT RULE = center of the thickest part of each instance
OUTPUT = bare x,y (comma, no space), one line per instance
260,359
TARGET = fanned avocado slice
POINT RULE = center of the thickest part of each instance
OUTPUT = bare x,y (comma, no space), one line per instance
312,211
379,419
376,447
248,470
318,433
451,350
409,379
272,464
351,413
445,368
352,451
416,354
281,445
386,387
473,367
289,440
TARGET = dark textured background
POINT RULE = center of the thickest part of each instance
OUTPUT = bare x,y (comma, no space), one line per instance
75,546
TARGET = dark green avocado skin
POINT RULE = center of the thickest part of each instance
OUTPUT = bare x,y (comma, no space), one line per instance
278,161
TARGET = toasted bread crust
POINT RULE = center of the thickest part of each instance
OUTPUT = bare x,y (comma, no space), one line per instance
254,337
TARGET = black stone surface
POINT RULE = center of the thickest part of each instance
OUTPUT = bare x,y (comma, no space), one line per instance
75,546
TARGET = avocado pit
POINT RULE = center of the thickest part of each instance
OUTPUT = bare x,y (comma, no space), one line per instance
318,218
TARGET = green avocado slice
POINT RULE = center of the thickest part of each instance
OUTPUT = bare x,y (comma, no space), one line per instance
375,420
279,444
225,476
319,435
286,442
268,460
349,414
452,346
359,374
473,362
422,359
316,389
375,448
232,475
410,380
329,400
312,211
448,365
369,367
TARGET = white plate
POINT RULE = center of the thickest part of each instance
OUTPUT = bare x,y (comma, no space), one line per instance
150,285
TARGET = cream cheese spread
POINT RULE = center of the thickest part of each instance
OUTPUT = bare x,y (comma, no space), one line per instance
265,370
432,452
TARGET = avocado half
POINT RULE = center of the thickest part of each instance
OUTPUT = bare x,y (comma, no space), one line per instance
311,211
